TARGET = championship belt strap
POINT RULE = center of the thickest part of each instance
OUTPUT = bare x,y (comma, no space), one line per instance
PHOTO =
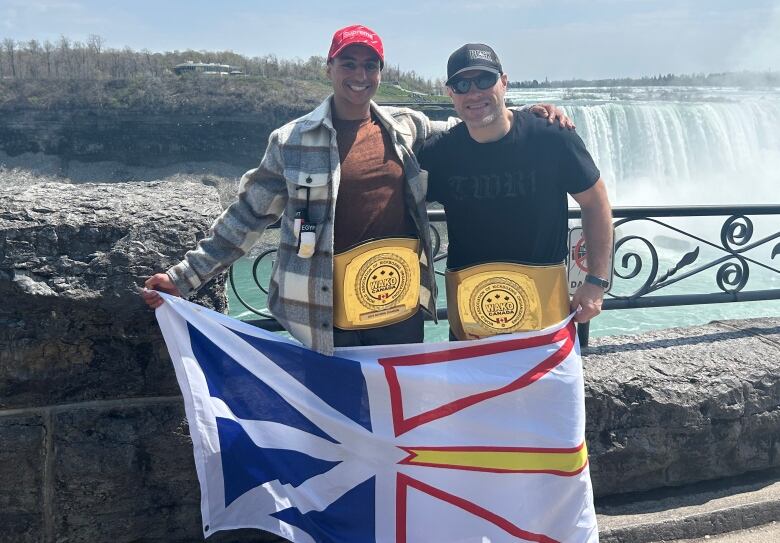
376,283
504,297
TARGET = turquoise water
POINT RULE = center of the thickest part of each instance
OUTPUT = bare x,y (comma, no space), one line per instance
616,322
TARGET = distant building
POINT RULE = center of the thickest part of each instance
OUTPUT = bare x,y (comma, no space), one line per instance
190,67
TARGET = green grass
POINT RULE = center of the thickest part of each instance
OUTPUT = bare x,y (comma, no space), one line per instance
392,93
213,95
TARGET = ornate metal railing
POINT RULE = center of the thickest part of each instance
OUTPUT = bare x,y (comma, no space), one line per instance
640,269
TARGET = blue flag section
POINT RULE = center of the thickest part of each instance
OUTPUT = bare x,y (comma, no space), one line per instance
338,381
404,443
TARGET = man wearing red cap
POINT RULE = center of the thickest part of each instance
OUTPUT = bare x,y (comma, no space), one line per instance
354,263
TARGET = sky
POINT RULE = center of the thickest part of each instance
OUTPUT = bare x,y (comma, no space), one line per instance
557,39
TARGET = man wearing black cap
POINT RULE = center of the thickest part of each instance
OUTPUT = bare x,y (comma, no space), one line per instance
503,177
353,265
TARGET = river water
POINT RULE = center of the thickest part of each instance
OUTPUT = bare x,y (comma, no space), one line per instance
668,146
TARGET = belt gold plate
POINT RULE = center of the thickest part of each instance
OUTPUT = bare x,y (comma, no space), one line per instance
376,283
505,297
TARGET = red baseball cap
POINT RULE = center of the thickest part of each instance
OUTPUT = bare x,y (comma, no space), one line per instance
356,34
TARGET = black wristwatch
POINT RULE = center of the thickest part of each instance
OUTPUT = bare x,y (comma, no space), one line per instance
598,281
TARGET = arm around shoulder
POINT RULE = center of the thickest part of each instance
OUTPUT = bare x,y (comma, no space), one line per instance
428,129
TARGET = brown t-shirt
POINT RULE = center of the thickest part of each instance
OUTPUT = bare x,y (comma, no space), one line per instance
370,202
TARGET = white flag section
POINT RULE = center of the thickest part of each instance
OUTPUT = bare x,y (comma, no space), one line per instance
478,441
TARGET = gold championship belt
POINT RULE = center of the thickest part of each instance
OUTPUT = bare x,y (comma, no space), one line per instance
504,297
376,283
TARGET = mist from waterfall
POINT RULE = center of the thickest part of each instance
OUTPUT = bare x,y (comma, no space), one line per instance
677,145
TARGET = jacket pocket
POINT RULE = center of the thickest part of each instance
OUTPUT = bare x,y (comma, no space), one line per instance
308,208
309,192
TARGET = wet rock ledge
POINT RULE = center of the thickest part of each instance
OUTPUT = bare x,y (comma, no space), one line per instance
93,441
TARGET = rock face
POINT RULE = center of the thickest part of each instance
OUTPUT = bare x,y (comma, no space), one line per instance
135,138
145,139
72,260
677,406
94,446
93,441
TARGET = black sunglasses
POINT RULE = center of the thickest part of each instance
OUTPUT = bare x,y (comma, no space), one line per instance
462,85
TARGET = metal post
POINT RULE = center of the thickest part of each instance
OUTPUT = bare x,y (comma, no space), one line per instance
583,331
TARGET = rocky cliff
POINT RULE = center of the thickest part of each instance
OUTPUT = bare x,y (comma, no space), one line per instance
138,138
94,440
141,139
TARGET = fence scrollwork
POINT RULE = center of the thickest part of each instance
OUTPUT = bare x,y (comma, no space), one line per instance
639,260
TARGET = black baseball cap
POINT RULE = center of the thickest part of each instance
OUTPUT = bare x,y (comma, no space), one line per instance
473,56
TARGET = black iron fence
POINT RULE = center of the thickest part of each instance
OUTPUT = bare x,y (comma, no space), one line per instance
656,249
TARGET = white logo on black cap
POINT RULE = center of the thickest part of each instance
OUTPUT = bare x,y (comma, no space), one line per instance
476,54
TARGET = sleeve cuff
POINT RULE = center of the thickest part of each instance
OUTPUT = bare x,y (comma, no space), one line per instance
184,278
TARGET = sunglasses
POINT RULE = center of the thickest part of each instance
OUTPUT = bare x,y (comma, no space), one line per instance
462,85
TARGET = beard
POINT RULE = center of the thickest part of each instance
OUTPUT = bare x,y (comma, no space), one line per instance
488,118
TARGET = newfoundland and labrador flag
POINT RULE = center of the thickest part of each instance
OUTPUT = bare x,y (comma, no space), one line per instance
479,441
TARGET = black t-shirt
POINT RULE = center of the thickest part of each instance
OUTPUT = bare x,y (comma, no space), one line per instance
506,200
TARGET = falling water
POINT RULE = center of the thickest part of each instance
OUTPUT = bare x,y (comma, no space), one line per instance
682,146
666,146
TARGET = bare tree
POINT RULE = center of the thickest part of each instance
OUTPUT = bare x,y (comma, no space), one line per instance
10,48
48,47
65,60
95,44
149,64
92,59
34,58
79,54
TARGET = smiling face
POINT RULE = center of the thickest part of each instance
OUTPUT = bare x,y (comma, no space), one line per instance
355,75
479,108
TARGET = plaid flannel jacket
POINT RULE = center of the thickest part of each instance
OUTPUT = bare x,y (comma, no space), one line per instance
303,154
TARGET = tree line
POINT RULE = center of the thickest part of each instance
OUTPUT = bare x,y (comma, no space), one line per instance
92,59
725,79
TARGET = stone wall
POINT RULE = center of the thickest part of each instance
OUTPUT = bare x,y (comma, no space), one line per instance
93,441
676,406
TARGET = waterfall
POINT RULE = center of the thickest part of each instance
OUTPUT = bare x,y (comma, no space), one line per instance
691,146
